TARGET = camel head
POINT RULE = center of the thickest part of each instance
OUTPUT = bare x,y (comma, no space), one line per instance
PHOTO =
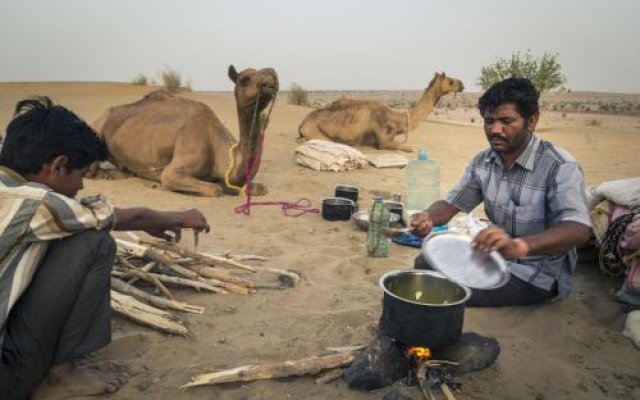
445,84
252,85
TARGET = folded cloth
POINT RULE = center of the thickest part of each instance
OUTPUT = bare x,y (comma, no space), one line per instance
408,239
323,155
624,192
632,328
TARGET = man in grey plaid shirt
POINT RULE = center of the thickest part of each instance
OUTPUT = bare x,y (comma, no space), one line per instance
532,192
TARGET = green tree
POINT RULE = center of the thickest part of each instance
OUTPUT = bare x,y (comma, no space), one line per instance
544,72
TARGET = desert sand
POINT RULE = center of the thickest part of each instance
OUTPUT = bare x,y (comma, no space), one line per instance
569,349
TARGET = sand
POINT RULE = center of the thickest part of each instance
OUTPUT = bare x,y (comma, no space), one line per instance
565,350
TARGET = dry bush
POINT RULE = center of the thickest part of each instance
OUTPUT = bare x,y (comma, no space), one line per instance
594,122
140,80
172,80
299,95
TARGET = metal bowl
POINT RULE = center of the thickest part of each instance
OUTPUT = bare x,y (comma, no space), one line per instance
361,219
451,254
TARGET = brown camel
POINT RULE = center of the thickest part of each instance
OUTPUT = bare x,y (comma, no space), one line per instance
370,122
182,144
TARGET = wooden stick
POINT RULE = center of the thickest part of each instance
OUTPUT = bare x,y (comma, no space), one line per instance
145,314
247,373
146,268
196,284
241,257
329,376
121,286
216,273
206,258
138,274
448,393
233,288
294,277
180,270
141,251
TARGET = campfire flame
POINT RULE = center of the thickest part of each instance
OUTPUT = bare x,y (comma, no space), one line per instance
420,353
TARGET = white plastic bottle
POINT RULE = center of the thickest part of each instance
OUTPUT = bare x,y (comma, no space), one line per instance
422,182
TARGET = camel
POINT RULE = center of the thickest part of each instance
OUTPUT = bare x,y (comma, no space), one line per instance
370,122
183,145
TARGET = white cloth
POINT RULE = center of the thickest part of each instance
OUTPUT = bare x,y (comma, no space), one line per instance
323,155
623,192
632,327
387,160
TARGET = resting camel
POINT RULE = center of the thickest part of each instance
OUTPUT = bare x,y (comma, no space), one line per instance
370,122
182,144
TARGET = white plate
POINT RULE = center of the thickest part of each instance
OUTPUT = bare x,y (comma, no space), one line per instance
451,253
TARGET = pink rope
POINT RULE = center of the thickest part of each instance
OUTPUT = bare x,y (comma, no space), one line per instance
250,169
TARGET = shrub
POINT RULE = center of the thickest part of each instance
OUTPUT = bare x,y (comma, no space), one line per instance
140,80
544,72
298,95
172,80
594,122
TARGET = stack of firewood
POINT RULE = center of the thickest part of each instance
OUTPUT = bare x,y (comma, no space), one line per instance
165,264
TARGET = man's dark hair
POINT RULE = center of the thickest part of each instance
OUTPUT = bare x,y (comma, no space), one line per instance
40,131
518,91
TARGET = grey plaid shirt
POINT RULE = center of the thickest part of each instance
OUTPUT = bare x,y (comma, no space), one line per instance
544,187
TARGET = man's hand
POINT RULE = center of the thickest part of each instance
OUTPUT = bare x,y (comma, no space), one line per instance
421,223
497,239
158,223
193,219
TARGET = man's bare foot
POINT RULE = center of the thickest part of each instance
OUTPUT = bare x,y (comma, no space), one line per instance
67,381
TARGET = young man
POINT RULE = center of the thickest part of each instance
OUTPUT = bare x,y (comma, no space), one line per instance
56,253
533,193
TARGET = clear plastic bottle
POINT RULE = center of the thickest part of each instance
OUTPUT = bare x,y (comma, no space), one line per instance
377,242
422,182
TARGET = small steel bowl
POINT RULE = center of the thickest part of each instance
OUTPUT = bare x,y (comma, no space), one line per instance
361,219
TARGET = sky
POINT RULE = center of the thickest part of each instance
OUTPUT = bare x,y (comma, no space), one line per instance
321,45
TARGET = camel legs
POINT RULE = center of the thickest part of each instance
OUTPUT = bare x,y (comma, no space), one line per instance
176,180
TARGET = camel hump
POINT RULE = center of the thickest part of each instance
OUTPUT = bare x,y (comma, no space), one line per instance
159,95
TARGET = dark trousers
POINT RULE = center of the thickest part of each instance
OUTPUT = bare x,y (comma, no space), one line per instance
63,314
515,293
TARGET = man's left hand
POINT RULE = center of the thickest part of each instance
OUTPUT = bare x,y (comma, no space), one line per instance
497,239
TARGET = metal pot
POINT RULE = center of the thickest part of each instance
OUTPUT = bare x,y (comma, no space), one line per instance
422,308
337,208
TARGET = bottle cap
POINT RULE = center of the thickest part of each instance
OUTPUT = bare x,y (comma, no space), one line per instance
378,198
422,154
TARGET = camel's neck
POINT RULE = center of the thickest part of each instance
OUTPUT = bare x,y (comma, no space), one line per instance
423,108
248,148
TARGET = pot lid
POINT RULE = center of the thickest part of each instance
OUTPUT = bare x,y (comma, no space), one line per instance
451,254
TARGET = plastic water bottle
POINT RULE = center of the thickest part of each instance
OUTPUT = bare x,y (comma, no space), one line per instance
377,241
422,182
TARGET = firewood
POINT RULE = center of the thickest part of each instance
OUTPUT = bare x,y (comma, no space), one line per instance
205,258
121,286
448,393
247,373
216,273
295,278
329,376
196,284
180,270
241,257
151,278
231,287
142,251
145,314
146,268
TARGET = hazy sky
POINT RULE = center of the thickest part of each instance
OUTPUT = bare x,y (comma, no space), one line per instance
327,44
